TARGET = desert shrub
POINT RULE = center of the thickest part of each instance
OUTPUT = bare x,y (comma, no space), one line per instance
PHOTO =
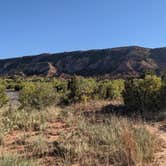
10,83
61,86
3,81
18,87
65,98
110,89
14,84
62,90
82,89
37,95
163,92
143,94
3,96
102,89
116,88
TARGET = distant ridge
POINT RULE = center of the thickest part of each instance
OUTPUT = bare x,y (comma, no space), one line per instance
118,62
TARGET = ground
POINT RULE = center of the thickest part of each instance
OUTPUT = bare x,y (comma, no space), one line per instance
21,142
159,129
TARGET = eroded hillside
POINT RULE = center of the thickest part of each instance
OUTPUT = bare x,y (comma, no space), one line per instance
115,62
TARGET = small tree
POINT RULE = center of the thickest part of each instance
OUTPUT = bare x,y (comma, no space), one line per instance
61,86
82,89
102,89
110,89
37,95
143,94
115,89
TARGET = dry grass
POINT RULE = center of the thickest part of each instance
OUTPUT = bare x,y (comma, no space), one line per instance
117,141
38,147
15,160
64,136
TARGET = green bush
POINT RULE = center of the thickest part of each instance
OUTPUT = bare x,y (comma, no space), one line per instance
143,94
14,84
82,89
102,89
115,89
37,95
60,86
110,89
18,87
3,96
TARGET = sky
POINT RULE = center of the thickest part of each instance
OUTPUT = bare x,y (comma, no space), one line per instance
29,27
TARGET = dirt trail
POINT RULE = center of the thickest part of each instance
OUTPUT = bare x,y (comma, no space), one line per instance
159,129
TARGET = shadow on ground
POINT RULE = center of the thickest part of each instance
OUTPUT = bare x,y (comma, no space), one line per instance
121,110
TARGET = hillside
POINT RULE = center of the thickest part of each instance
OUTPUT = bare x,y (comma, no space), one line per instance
115,62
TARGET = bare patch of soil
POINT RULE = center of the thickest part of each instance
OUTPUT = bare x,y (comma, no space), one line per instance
159,129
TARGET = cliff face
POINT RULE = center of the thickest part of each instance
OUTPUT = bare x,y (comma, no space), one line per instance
115,62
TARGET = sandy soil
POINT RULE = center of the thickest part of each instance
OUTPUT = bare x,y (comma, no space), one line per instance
159,129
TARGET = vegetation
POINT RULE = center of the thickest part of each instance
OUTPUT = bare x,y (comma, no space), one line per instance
82,89
144,94
110,89
22,120
73,122
121,143
37,95
11,160
3,96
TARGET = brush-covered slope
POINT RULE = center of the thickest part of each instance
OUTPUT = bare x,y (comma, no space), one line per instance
115,62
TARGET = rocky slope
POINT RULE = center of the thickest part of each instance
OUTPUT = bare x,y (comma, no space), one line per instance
115,62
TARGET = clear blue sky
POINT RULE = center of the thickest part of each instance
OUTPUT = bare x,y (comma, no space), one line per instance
29,27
